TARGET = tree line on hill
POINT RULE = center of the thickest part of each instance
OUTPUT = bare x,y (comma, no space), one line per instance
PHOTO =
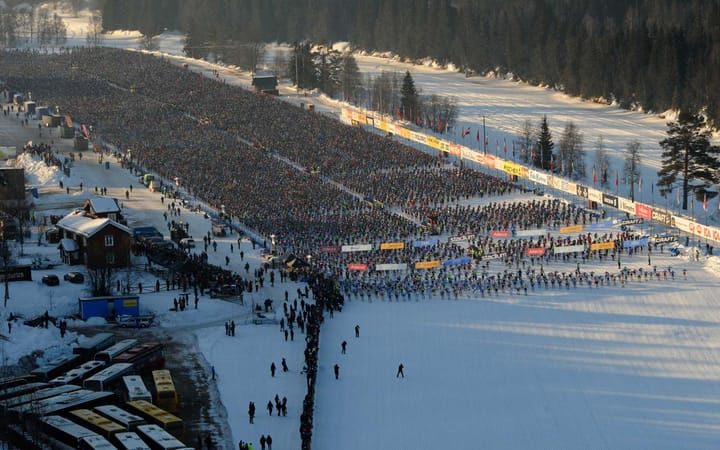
656,55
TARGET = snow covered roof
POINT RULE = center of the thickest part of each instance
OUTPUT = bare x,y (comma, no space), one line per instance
68,245
78,223
104,205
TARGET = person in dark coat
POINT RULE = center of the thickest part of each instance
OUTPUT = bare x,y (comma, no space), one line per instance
269,407
272,369
337,371
251,412
268,441
400,371
357,331
343,346
262,442
284,365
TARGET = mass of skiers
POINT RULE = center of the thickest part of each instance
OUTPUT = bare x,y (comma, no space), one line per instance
315,184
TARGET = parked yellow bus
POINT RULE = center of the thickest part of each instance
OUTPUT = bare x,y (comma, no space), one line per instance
169,422
165,393
93,421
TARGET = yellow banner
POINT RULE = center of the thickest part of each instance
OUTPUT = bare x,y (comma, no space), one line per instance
392,245
512,168
130,302
433,142
571,229
602,246
427,264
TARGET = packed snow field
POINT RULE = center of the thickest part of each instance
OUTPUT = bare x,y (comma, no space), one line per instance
621,367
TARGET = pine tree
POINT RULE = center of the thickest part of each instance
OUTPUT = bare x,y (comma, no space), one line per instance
688,156
409,98
572,155
544,154
631,169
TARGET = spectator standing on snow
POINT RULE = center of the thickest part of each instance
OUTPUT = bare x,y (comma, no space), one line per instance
270,407
284,365
268,441
272,369
251,412
400,372
357,331
262,442
343,346
337,371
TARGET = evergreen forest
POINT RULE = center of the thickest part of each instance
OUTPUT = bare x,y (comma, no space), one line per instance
649,54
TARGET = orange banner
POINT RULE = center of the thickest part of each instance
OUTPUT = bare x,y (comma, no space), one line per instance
571,229
602,246
427,264
392,246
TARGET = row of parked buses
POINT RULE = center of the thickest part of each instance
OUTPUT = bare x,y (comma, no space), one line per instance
96,399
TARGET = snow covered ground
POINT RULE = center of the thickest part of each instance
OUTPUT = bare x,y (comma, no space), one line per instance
622,368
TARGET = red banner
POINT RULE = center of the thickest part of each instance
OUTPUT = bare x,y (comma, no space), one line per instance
357,266
643,211
329,248
500,234
535,251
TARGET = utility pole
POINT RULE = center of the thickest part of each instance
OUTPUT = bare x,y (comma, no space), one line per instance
297,80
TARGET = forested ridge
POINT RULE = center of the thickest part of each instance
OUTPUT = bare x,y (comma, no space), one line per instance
654,54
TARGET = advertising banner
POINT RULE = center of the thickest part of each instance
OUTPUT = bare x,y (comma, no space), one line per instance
664,217
594,195
535,251
425,243
356,248
533,232
581,191
500,234
626,205
635,221
643,211
602,246
569,249
427,264
329,248
357,266
571,229
635,243
464,237
609,200
457,261
538,177
385,267
392,246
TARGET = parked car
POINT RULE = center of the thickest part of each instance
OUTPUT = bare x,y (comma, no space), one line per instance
225,291
42,263
51,280
74,277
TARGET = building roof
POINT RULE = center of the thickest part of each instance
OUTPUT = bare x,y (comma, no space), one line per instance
104,205
68,245
78,223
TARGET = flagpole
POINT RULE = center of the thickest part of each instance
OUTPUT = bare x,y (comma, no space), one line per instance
484,137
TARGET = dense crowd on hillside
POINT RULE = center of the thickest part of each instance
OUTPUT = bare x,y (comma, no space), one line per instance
214,137
282,170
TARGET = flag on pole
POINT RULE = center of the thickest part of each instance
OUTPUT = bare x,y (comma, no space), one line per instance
617,179
465,132
705,201
477,136
640,184
594,175
504,146
652,188
486,141
677,196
